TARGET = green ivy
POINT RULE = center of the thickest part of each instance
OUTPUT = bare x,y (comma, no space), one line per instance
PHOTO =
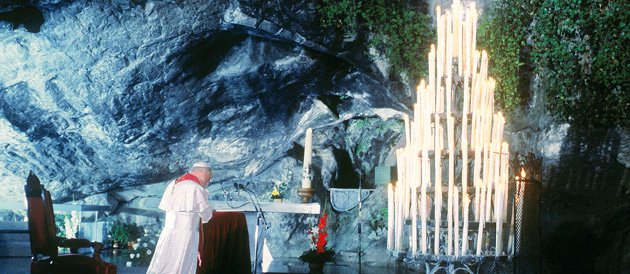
502,32
583,53
400,32
377,127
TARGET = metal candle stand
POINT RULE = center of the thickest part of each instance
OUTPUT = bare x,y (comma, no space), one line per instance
530,168
487,262
455,160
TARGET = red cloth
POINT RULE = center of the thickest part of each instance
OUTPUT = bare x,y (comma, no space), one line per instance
226,249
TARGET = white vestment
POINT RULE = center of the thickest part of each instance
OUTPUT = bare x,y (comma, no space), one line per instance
185,204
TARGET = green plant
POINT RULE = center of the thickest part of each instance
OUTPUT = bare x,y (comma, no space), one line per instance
379,221
583,54
141,252
275,194
502,32
376,128
399,31
122,233
280,186
67,224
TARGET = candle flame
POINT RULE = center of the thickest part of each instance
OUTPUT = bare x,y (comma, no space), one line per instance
523,174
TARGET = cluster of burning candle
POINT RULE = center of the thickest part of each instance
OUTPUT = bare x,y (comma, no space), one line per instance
453,124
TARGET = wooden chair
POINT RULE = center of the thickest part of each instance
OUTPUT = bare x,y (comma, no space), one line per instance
45,243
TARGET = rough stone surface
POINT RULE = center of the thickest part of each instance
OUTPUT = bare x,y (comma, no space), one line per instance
110,100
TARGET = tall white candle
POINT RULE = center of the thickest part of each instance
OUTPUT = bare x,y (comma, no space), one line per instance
459,38
426,177
477,181
432,76
464,148
467,37
399,217
482,219
498,187
398,203
456,220
465,198
499,220
473,39
505,159
390,217
490,175
308,150
403,186
407,129
448,61
451,180
441,48
438,184
414,204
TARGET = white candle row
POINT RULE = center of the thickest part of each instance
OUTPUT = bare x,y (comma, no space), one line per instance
429,132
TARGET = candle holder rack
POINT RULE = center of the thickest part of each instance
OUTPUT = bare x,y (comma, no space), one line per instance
456,203
488,261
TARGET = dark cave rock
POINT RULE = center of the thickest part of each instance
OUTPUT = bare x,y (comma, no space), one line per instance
28,16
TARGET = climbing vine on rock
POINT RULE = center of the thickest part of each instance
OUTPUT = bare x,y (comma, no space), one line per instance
502,32
583,54
399,31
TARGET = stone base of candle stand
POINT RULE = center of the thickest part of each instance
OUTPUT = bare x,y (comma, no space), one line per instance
306,194
463,264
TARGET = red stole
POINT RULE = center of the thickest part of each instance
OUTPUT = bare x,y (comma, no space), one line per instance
188,176
193,178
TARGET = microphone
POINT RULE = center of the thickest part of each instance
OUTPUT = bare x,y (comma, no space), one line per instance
238,186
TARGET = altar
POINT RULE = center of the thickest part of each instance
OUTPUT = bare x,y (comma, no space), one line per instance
254,214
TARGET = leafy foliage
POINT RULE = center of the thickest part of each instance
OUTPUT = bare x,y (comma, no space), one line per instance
124,232
67,224
141,251
376,127
583,52
379,221
502,32
400,32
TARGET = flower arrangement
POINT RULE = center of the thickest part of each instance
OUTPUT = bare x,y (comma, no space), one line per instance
280,186
67,224
275,194
141,251
318,253
123,233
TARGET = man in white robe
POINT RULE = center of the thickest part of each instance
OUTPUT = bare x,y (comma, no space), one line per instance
185,201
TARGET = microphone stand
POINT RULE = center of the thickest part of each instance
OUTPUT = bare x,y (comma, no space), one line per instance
261,216
360,220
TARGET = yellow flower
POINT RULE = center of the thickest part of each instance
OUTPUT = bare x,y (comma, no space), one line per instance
275,192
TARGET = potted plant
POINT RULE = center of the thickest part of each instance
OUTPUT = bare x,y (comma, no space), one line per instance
276,195
318,254
123,234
